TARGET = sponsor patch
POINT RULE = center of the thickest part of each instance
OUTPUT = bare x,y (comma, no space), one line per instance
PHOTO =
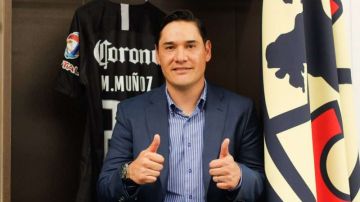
70,67
72,46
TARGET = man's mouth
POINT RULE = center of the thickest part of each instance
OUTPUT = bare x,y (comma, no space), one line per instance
181,69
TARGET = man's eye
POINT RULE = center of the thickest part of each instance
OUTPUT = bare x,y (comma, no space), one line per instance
191,46
169,47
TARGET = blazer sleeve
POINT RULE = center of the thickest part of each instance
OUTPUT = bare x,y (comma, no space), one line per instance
250,156
110,186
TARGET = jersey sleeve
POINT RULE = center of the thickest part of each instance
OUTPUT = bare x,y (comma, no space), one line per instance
68,79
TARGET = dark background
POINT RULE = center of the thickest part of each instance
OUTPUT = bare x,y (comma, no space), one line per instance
47,127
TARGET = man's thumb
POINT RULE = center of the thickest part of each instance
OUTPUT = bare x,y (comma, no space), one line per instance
224,148
153,147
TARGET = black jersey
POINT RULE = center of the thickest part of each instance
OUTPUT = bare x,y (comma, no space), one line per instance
109,56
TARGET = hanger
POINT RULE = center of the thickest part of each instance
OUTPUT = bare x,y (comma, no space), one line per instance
129,2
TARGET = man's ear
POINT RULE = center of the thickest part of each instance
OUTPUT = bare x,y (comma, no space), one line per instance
208,50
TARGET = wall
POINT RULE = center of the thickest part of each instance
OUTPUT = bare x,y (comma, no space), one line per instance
47,127
5,100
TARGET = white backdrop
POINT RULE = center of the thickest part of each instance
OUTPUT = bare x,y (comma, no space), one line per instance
355,46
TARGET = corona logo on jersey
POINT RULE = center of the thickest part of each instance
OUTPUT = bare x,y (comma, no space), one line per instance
311,151
104,53
72,46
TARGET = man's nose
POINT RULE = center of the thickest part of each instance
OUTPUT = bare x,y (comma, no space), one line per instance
181,55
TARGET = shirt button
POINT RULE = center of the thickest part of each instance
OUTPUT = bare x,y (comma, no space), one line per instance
190,170
189,144
190,196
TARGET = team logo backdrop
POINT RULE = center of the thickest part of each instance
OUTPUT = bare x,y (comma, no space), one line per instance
311,146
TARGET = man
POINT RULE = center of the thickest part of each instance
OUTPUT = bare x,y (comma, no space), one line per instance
187,140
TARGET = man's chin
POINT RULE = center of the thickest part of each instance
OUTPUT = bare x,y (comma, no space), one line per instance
179,84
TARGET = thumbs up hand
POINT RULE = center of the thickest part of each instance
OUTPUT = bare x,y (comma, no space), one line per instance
147,166
225,172
153,147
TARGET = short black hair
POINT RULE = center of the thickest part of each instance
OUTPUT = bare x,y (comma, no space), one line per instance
182,15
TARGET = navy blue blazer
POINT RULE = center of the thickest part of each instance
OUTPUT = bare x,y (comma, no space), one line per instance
227,115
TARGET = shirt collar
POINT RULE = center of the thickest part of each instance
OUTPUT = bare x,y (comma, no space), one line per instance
200,103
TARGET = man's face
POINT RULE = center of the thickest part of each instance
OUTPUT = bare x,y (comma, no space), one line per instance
182,54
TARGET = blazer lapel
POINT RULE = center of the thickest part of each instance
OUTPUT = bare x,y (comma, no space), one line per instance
215,113
157,123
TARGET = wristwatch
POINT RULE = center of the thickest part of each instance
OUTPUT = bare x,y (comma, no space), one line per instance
130,185
123,171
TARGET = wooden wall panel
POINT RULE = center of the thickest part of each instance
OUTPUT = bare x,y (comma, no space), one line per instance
5,99
248,56
47,127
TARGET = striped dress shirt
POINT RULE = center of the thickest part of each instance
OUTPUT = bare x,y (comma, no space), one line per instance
185,182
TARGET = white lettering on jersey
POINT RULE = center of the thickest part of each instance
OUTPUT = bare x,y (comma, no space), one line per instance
126,83
104,53
109,105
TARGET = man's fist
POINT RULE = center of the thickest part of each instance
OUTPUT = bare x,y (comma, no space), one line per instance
225,172
147,166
